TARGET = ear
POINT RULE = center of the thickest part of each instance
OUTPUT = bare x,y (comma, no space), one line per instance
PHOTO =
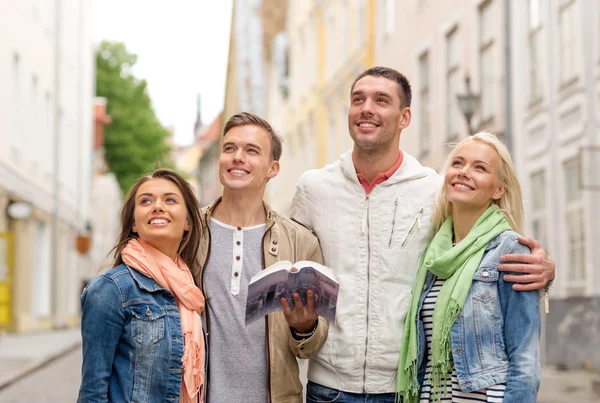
187,226
499,192
405,118
134,228
274,170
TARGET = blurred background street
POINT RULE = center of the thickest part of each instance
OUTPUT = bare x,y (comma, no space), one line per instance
95,93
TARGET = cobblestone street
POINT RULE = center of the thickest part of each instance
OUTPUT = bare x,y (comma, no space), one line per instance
56,382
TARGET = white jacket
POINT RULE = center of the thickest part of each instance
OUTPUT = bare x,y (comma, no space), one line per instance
372,243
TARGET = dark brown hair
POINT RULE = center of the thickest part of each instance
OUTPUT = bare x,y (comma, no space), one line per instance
404,91
246,118
188,248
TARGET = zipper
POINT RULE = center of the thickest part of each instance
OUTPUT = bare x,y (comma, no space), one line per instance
393,222
416,224
365,225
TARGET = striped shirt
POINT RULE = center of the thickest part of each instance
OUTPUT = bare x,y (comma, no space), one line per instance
454,394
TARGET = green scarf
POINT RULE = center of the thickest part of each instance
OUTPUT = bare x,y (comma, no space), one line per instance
456,265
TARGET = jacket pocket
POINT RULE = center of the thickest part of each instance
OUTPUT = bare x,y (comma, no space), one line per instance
486,323
147,324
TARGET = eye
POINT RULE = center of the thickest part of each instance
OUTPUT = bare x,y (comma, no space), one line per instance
228,148
253,150
456,163
171,200
356,100
382,100
145,201
480,168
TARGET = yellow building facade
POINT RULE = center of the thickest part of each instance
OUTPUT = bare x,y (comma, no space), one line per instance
328,44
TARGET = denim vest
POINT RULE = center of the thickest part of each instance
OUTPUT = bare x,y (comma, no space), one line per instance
132,340
496,337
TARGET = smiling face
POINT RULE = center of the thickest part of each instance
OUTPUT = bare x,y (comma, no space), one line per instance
472,180
246,162
376,115
160,215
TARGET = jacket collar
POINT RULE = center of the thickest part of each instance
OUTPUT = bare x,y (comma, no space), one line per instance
145,283
410,169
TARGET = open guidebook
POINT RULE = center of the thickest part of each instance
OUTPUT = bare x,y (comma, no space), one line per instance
283,279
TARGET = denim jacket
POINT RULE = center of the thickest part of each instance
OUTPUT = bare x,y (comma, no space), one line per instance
132,340
496,337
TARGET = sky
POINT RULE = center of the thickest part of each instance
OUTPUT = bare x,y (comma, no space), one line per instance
182,48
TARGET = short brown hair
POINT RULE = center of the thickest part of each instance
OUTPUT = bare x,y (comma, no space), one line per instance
188,248
247,118
404,91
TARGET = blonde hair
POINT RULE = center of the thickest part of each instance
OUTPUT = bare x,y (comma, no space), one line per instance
511,202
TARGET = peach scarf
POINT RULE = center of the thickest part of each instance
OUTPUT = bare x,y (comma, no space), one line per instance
177,278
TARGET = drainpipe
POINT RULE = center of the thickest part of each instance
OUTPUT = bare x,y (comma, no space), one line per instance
56,165
507,78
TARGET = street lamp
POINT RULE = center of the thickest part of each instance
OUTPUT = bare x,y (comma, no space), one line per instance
468,103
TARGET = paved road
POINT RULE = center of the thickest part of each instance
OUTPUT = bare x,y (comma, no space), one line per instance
56,382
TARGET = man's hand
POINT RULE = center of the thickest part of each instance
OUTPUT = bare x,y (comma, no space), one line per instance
303,318
538,268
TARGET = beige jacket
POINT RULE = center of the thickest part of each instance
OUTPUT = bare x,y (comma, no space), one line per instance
284,239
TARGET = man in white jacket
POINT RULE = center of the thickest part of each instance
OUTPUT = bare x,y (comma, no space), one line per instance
371,211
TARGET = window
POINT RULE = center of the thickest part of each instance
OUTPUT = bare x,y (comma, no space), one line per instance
424,105
346,140
538,208
568,41
575,221
331,48
331,140
535,50
361,23
389,15
16,135
453,114
487,67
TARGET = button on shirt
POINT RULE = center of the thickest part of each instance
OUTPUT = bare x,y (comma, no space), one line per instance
237,353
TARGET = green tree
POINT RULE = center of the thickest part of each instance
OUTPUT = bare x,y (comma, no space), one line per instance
135,140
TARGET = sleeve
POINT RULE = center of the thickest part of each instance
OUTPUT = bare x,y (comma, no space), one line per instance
306,348
102,323
299,210
521,312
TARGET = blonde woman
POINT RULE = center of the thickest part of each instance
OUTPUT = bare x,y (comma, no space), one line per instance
468,335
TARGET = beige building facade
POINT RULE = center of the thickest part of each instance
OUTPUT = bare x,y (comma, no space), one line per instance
323,47
45,161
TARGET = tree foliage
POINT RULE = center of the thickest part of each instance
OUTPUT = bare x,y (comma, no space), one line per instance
135,140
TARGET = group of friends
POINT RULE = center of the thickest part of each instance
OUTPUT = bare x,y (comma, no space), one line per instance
439,296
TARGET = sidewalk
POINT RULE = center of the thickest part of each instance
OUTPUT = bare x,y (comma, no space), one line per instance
569,386
22,354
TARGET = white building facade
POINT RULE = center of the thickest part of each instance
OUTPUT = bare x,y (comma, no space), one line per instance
556,48
46,76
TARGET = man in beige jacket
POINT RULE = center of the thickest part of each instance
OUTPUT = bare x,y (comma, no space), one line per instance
241,236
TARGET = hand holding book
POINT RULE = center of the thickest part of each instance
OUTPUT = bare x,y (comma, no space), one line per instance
303,317
302,291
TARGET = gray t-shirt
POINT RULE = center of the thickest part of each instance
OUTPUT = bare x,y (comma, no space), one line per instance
237,353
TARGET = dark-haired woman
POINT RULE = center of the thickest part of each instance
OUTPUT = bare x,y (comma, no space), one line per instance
143,338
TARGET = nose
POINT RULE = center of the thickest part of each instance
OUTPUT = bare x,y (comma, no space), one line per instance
464,171
367,107
238,155
158,205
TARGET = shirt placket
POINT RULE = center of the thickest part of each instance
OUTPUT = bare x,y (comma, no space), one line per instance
238,258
